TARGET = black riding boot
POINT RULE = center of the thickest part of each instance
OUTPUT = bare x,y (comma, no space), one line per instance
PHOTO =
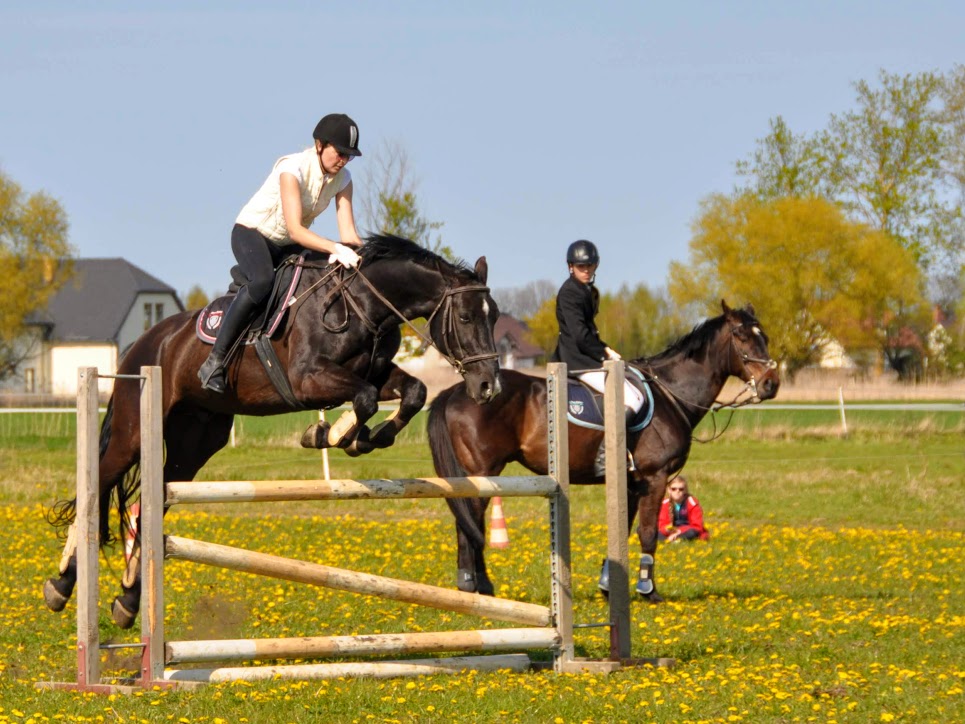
235,320
599,463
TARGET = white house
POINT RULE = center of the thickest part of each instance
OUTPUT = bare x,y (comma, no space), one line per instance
92,319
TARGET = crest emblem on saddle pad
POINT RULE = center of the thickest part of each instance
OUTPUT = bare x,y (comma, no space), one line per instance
213,321
576,407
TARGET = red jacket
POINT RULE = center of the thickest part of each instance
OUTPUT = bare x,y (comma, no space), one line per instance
690,511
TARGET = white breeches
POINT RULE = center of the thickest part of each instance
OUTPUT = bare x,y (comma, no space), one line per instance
632,397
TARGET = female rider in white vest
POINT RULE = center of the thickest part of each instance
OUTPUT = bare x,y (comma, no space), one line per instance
274,224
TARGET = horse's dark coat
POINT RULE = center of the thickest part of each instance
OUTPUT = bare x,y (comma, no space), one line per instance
467,439
326,368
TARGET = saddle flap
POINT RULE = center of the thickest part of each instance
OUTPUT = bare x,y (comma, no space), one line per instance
269,319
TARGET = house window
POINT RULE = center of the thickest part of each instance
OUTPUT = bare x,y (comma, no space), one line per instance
158,313
28,379
147,316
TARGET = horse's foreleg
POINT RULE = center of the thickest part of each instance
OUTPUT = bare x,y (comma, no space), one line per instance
332,382
411,393
647,510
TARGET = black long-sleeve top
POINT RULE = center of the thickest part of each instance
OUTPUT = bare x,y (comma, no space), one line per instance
579,344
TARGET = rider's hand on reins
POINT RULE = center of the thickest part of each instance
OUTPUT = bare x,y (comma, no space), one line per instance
344,256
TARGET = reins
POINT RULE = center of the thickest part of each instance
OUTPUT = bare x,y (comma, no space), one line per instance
341,289
734,404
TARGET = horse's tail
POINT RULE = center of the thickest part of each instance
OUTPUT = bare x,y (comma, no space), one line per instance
64,512
447,466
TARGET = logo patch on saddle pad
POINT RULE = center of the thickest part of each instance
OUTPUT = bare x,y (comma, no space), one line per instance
270,319
585,406
213,321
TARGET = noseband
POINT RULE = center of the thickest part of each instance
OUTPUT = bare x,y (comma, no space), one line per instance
449,329
751,382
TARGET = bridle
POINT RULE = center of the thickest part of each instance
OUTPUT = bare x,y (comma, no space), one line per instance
739,399
750,384
450,335
450,332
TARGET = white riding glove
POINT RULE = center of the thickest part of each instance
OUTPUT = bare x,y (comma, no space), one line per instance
344,256
612,354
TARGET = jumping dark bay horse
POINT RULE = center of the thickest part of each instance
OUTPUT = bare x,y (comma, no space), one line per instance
685,379
336,346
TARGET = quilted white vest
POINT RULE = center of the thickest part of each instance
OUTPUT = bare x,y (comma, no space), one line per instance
264,213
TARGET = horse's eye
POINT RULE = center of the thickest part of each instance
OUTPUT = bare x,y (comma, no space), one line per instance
464,318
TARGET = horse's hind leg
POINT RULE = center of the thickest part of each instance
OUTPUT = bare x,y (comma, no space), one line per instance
472,576
116,459
190,439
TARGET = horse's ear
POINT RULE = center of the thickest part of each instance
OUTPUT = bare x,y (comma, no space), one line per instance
724,306
749,308
482,269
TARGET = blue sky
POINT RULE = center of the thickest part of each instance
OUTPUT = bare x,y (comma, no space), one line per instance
528,125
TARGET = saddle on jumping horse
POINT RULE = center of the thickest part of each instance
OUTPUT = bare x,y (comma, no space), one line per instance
265,324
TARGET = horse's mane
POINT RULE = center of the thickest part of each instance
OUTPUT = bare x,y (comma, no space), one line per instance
695,340
388,246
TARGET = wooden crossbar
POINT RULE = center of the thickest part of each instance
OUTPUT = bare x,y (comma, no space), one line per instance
315,647
276,490
264,564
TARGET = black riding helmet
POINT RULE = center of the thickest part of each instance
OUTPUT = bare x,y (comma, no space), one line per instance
582,252
340,131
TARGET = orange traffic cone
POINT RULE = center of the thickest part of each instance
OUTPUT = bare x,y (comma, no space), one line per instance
498,535
131,533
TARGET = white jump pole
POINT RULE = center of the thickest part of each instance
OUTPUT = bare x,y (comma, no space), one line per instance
316,647
242,491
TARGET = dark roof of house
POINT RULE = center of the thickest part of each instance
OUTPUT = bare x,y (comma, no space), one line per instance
518,334
93,305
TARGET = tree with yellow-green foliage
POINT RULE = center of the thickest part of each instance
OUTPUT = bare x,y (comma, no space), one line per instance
34,264
196,298
812,275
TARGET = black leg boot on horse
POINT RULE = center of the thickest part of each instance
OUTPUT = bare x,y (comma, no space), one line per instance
236,319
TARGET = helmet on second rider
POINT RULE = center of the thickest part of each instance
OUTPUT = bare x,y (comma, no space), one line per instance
582,252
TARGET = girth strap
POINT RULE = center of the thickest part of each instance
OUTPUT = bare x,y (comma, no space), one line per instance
276,373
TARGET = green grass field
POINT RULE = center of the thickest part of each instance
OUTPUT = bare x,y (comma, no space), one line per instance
831,588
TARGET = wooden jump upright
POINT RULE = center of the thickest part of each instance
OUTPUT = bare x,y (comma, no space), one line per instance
552,627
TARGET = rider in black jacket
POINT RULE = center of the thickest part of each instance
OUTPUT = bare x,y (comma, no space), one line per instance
579,344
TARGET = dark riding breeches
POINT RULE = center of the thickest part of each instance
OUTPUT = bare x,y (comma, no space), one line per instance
257,257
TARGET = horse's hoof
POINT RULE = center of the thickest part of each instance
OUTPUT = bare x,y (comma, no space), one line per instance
383,434
315,436
652,597
55,600
122,617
